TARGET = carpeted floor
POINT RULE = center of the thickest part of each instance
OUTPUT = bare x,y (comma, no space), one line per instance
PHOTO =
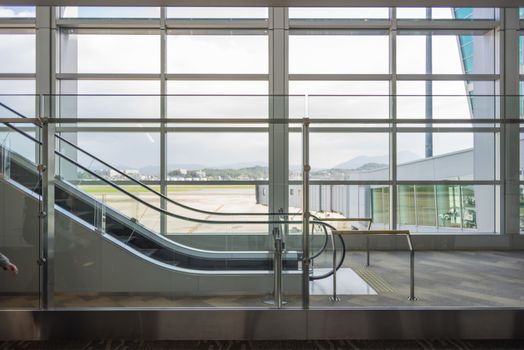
266,345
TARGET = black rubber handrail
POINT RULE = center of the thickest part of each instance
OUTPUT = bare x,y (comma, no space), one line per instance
143,185
316,220
161,210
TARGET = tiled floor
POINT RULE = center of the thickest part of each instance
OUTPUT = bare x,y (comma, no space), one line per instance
453,278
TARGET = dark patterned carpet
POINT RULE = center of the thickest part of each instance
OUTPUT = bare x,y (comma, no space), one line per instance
266,345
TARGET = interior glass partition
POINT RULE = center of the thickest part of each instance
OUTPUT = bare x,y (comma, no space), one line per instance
417,140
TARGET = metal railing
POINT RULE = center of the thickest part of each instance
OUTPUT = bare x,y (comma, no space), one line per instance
369,233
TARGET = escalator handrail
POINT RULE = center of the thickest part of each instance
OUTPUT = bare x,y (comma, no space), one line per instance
153,207
147,187
316,220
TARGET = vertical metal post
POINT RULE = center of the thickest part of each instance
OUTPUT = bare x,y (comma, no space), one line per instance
367,251
429,89
279,247
305,213
163,115
368,254
393,116
412,275
45,85
47,214
509,107
278,109
334,297
411,268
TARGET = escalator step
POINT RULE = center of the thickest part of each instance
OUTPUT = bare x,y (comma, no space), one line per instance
148,252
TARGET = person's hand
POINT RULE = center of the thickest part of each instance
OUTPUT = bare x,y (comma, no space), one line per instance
11,268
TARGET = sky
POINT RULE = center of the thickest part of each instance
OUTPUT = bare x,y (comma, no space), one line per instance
197,54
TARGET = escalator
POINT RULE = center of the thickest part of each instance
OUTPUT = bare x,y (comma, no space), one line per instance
126,231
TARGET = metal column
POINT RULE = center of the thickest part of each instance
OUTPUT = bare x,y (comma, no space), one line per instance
278,109
45,85
509,107
163,114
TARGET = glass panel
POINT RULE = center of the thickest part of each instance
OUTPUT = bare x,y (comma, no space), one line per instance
217,12
142,163
217,53
217,199
224,87
342,201
446,156
124,99
521,54
351,156
339,12
338,54
450,54
217,156
473,100
447,208
359,106
110,12
85,52
354,107
17,11
18,53
353,87
215,106
137,154
458,13
19,236
170,270
521,204
19,97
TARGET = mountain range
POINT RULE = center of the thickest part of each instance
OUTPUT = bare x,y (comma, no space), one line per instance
354,163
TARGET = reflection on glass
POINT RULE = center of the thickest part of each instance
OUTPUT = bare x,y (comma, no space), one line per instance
446,208
381,204
341,201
